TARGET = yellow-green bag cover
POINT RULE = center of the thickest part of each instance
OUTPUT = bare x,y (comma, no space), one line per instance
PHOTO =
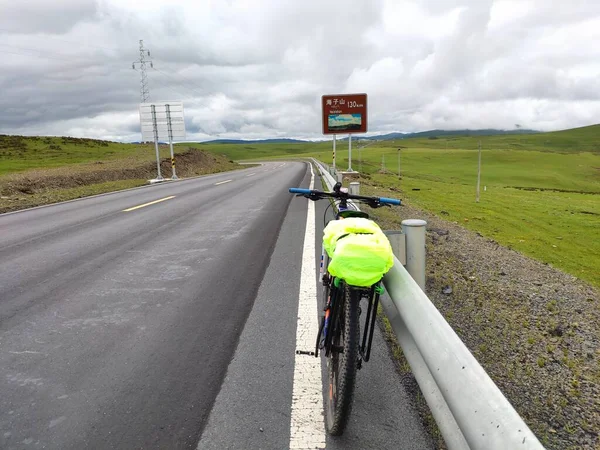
360,252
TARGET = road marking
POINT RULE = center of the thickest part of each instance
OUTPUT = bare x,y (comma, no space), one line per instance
307,428
148,204
223,182
251,174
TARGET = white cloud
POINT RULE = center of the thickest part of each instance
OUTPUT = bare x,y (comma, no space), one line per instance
257,68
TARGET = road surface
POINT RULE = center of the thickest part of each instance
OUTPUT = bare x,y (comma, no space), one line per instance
165,317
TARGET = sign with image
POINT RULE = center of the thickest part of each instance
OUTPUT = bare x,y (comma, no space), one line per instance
344,113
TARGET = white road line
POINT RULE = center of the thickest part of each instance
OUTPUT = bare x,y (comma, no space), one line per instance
223,182
307,428
149,203
251,174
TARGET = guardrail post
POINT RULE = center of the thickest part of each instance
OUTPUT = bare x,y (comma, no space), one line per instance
355,188
414,229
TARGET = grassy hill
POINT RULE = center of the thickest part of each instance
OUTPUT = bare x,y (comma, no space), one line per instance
576,140
246,150
540,199
541,190
40,170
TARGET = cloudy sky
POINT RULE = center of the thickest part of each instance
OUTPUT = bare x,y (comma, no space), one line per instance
257,68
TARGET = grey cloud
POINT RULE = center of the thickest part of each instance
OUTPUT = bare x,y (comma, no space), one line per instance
259,70
42,16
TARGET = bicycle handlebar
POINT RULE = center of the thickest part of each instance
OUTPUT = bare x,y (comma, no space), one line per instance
299,191
317,195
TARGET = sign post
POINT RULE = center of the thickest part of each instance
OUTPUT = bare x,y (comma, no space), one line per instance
155,136
163,120
334,151
345,113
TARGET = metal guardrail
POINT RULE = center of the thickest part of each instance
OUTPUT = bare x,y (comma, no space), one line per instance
470,410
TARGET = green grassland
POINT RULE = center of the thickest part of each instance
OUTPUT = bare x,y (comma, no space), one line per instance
240,152
540,193
19,153
41,170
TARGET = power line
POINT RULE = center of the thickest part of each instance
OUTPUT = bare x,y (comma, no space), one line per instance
61,40
30,54
38,53
178,83
174,90
187,80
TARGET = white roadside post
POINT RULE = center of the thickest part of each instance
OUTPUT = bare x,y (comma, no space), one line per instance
350,153
478,174
170,125
414,229
355,188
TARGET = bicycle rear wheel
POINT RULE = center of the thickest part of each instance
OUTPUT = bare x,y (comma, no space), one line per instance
342,363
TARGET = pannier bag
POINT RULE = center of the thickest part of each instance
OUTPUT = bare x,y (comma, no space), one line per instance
359,251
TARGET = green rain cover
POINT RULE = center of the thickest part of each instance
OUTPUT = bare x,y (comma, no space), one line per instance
360,252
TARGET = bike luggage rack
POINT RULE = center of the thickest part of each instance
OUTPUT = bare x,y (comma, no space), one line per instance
470,410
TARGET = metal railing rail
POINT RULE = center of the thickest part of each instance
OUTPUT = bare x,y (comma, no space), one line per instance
470,410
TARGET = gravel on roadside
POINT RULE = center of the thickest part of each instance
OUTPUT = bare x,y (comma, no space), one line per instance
534,328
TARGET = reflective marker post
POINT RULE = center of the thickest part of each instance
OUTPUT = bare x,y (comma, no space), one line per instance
170,126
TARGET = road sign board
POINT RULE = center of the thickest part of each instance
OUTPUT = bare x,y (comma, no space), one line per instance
344,113
162,111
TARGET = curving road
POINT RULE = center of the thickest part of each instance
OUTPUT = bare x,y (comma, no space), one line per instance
165,317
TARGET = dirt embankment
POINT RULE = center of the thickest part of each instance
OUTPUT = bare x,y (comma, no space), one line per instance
38,187
534,329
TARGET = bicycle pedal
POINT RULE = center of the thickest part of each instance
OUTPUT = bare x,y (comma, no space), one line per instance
304,352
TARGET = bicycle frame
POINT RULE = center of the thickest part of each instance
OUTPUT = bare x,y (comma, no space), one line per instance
333,301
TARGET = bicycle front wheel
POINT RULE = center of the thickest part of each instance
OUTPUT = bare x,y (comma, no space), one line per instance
342,363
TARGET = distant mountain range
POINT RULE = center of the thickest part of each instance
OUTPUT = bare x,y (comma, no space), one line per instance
260,141
440,133
383,137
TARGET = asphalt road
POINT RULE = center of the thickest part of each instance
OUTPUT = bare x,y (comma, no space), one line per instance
169,325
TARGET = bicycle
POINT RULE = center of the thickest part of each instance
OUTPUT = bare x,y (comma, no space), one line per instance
339,330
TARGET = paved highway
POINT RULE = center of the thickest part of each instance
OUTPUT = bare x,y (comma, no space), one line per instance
165,317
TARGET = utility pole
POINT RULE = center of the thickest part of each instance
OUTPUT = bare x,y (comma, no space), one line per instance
478,174
144,59
360,159
350,153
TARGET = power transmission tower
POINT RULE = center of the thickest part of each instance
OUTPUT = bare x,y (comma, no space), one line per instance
144,59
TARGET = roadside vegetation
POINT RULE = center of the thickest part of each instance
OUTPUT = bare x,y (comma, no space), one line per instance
36,171
539,195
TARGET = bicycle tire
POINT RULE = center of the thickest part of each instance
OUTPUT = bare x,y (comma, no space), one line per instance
341,368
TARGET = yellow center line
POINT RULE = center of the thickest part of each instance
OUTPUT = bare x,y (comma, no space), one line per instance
148,204
222,182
